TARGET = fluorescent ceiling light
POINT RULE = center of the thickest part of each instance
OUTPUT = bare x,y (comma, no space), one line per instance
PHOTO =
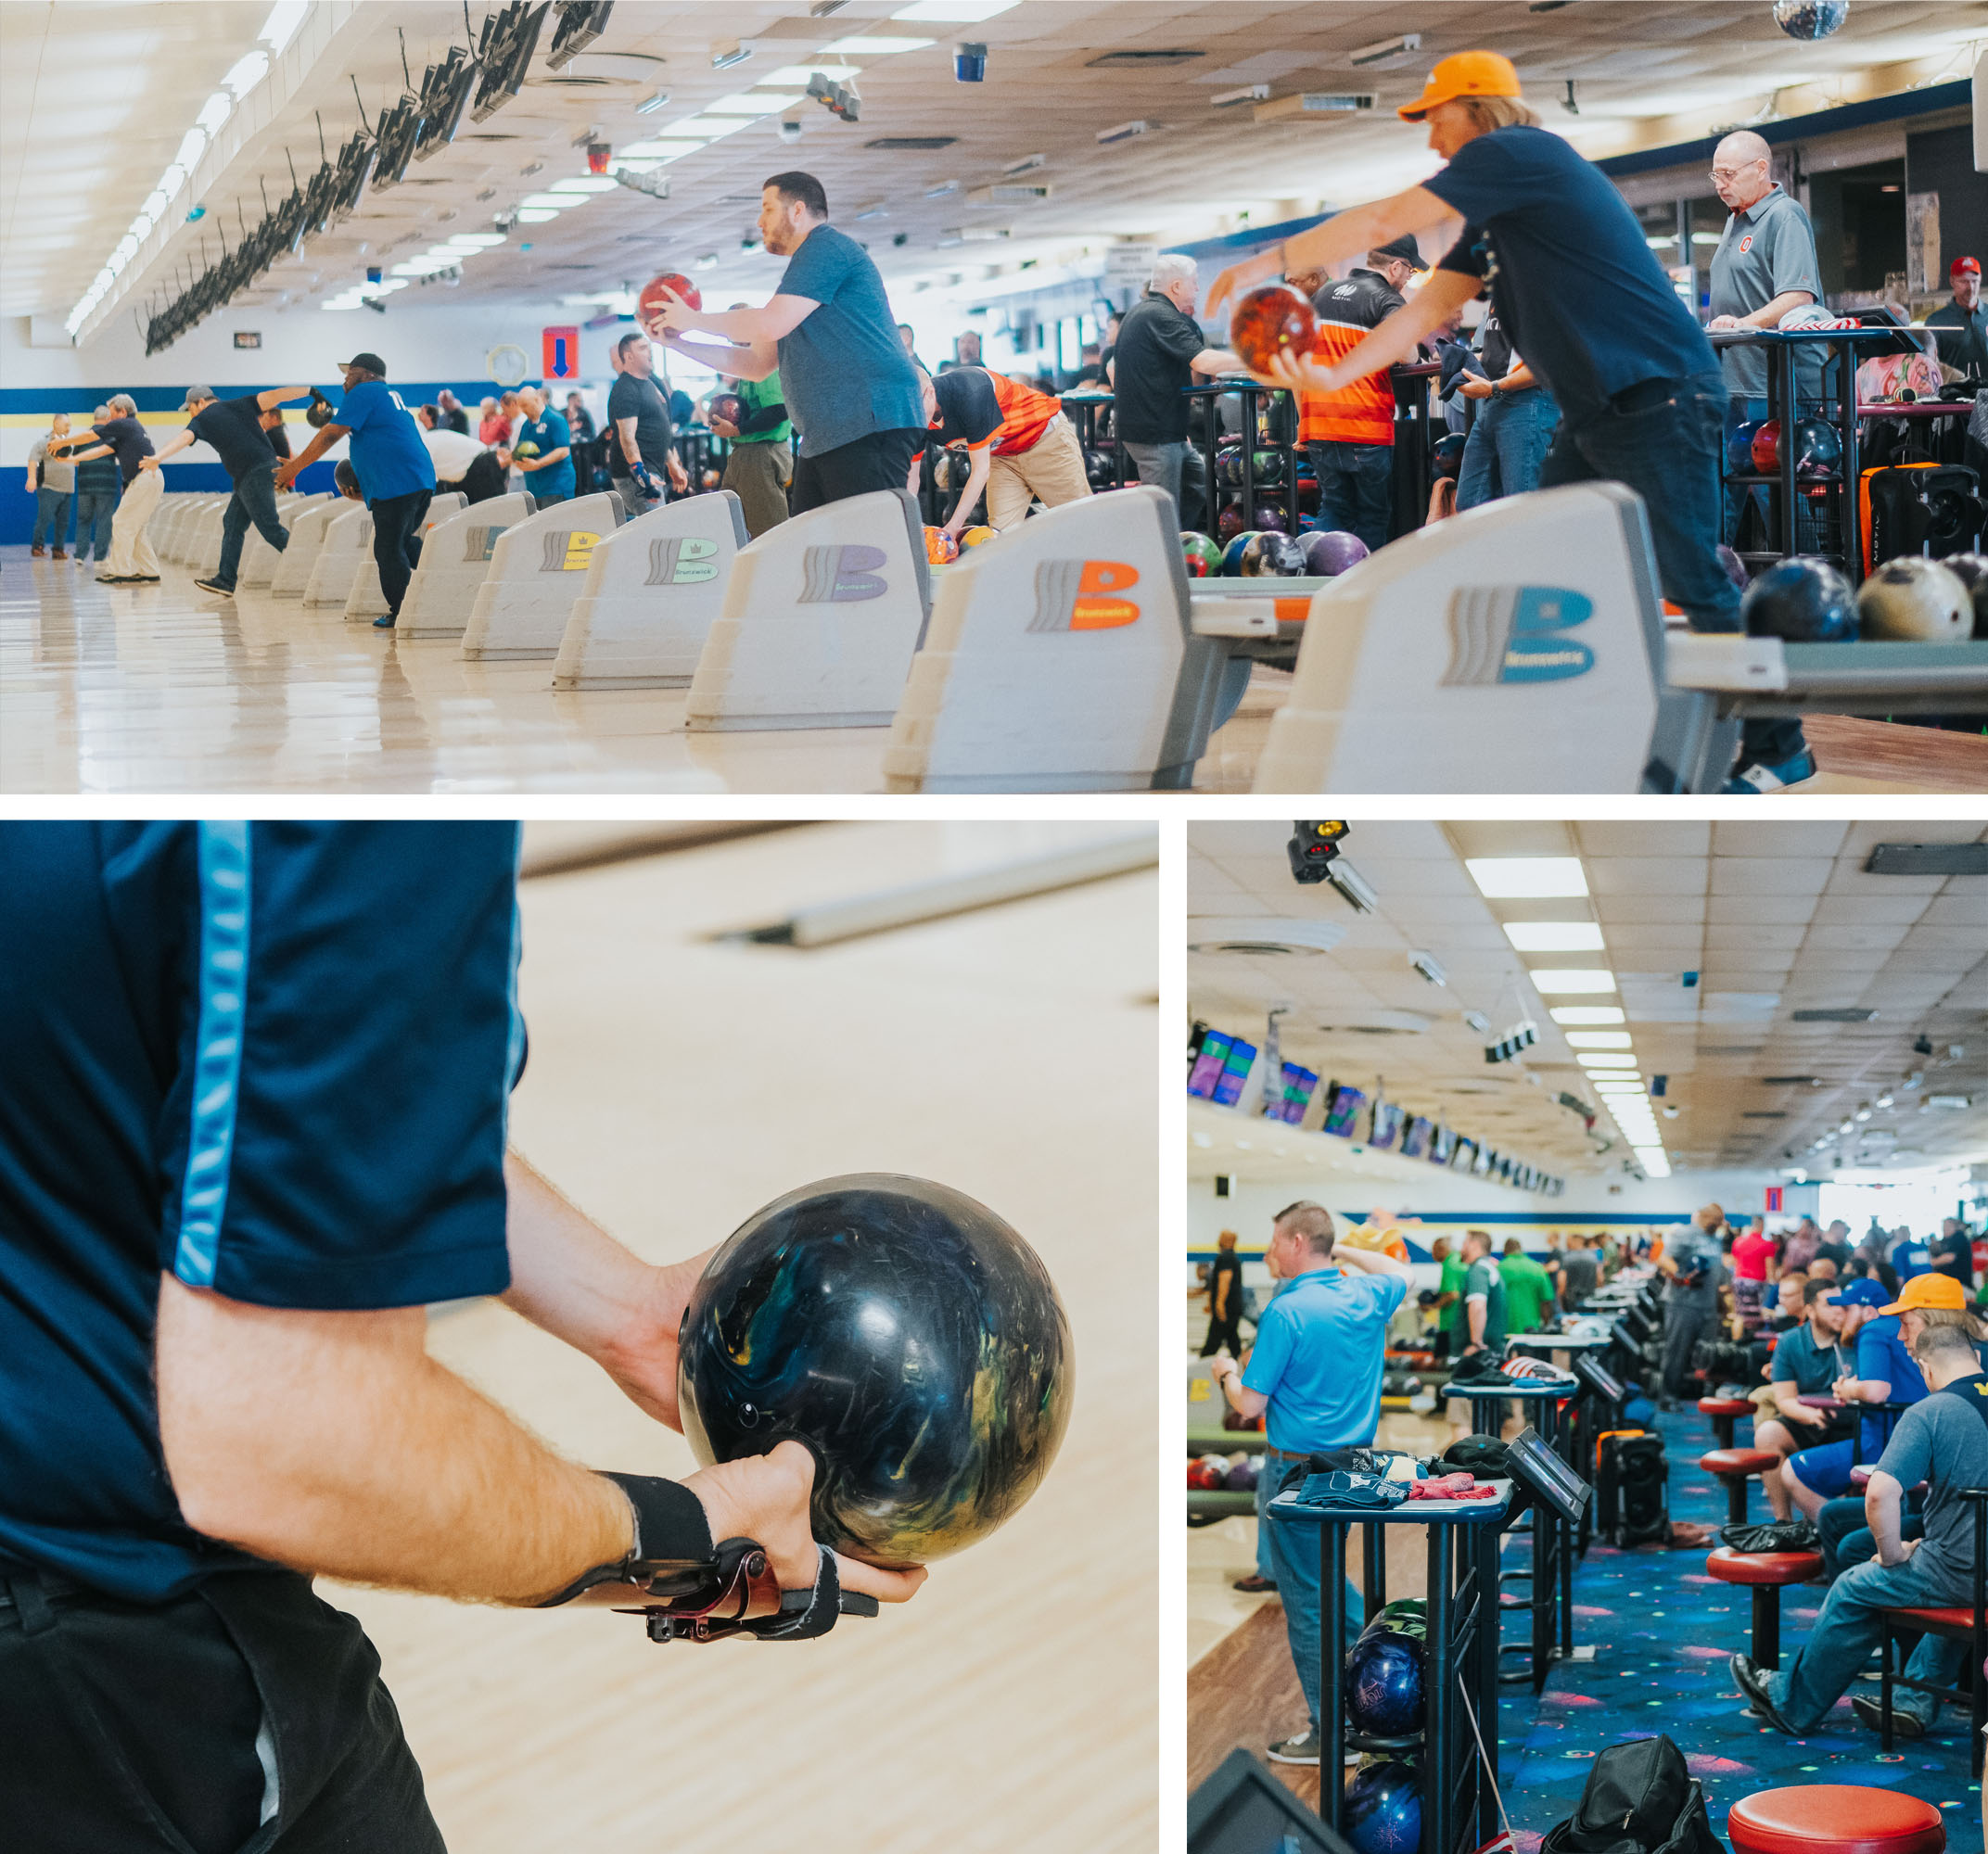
1599,1039
535,215
1623,1085
659,150
582,183
1554,937
1653,1159
753,103
800,73
214,111
281,26
1526,877
1554,979
1586,1013
1592,1062
550,202
953,12
246,73
877,47
193,145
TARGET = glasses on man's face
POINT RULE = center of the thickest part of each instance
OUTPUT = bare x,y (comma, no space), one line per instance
1734,173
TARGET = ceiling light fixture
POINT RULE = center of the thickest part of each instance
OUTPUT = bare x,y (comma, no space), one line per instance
1565,1014
875,47
1554,937
1559,979
1526,877
650,103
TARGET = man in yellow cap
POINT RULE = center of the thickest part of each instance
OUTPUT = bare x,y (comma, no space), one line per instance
1581,297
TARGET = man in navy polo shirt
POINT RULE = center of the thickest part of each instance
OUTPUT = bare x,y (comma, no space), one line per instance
1573,283
396,474
1315,1369
246,1137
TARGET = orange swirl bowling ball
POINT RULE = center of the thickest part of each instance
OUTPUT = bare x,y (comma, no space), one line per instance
650,299
940,547
1268,321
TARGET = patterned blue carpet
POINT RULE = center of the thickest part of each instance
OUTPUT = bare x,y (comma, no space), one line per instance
1664,1631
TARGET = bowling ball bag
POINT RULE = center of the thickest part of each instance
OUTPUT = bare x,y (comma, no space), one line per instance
1446,455
1202,558
1383,1684
1271,320
1799,600
1384,1808
1916,601
1639,1799
1269,555
1971,570
650,299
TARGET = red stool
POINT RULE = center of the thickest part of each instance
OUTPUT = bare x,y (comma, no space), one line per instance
1723,1412
1767,1574
1736,1467
1834,1819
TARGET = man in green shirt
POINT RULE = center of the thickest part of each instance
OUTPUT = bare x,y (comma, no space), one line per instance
1480,1325
1449,1289
1528,1288
760,463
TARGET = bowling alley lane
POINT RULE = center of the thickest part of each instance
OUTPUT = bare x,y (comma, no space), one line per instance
677,1083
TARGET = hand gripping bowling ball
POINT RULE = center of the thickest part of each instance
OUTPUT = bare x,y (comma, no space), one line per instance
1270,555
1799,600
906,1335
1202,558
1383,1684
940,547
1268,321
650,299
527,449
1917,600
1447,454
1232,553
1384,1812
1971,570
729,406
1330,551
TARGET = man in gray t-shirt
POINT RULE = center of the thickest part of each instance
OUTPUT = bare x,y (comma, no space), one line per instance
1692,1265
1942,1440
1764,268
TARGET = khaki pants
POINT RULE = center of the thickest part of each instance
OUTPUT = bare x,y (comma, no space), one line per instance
758,475
1051,470
131,552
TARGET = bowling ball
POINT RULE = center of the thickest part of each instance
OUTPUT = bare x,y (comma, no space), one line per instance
1273,520
976,537
1801,601
1405,1615
1202,558
1232,553
1268,555
1819,448
1739,448
1767,448
1098,470
709,480
940,547
1329,551
906,1335
1735,566
1971,570
527,449
650,299
1917,600
1383,1684
1229,467
1447,454
1383,1811
1228,523
1242,1478
1266,466
1271,320
729,406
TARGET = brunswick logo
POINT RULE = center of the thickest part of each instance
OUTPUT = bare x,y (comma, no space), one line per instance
1513,634
568,553
480,543
687,562
840,576
1075,595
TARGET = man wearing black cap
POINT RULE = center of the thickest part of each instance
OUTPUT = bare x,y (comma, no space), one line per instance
395,472
1349,434
1965,344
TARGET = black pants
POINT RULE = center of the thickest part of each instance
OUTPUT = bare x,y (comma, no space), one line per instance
881,461
130,1728
483,480
1223,1332
397,541
1684,1326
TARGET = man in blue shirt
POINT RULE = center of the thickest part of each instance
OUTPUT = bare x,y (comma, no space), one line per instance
396,474
543,450
1573,283
247,1135
851,388
1315,1368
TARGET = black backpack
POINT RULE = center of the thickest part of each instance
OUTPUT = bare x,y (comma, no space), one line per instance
1640,1799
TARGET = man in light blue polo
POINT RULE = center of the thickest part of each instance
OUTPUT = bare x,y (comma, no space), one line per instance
1317,1370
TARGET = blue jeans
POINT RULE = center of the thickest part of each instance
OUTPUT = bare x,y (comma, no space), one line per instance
1505,447
1848,1630
1665,440
1181,470
1356,488
1295,1554
93,510
254,501
1847,1540
51,514
1265,1486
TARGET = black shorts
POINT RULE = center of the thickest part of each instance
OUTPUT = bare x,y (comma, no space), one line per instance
133,1728
881,461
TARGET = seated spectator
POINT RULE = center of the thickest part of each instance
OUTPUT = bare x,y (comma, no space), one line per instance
1942,1440
1807,1361
1822,1472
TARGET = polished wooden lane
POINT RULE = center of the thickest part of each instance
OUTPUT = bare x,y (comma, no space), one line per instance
675,1085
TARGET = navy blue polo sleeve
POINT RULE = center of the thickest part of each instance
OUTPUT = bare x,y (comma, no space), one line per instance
336,1135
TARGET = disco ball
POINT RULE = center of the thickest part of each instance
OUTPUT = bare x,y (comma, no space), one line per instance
1810,19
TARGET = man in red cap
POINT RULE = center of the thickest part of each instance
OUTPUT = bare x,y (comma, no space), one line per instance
1967,349
1579,294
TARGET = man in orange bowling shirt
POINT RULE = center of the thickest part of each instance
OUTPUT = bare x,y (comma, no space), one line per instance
1020,448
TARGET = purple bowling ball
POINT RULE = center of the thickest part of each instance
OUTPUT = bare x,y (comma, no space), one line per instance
1329,551
1271,521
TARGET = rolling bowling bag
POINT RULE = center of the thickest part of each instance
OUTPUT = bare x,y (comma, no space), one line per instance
1632,1489
1919,508
1641,1798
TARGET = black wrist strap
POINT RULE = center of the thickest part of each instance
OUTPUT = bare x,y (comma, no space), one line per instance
671,1529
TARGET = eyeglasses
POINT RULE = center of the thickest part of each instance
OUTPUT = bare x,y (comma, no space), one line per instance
1734,173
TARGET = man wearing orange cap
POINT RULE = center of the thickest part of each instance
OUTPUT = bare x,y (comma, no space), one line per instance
1581,297
1967,348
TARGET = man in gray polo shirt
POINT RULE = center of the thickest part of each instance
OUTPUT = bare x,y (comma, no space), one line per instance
1764,267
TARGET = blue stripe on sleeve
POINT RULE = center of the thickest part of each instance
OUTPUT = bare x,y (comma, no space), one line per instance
223,983
515,1052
